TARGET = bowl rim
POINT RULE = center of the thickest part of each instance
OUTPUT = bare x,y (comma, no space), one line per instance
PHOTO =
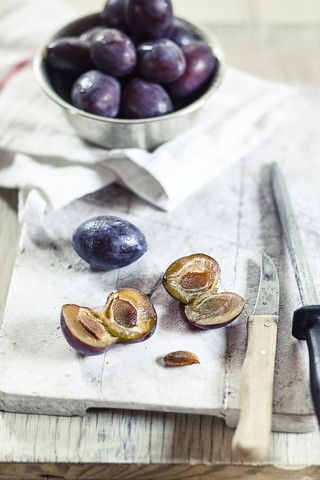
43,80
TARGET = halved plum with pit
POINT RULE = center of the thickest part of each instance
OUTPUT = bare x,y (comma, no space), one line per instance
190,276
127,317
193,280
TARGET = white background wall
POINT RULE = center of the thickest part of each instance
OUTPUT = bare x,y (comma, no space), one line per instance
236,11
232,11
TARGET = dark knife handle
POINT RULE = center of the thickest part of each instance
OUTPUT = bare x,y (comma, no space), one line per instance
306,326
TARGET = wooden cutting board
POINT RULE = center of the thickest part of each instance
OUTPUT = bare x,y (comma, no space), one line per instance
233,219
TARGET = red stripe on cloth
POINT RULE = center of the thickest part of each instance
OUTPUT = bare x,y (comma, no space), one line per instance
13,71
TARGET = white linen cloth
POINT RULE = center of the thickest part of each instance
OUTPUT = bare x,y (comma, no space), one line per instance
42,156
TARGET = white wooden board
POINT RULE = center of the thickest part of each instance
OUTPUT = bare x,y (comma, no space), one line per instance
232,219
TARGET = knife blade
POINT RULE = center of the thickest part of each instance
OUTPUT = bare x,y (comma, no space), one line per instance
252,435
306,319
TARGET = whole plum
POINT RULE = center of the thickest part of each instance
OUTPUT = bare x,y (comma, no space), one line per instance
97,93
143,99
181,32
69,54
149,19
112,14
113,52
160,61
107,242
201,64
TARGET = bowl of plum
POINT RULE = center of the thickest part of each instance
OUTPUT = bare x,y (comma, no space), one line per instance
133,75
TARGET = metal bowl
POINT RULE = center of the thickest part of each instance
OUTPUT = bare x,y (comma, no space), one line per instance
147,133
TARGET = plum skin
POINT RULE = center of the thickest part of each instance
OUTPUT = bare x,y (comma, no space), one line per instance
112,14
161,61
89,35
148,19
107,242
70,55
200,67
113,52
144,99
181,33
97,93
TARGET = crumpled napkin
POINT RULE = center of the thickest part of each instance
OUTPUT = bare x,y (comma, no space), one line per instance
42,156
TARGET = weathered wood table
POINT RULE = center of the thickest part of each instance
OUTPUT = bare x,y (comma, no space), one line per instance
117,444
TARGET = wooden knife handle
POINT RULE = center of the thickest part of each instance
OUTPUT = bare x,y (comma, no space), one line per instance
252,436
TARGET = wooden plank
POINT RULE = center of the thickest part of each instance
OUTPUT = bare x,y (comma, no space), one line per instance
138,438
155,472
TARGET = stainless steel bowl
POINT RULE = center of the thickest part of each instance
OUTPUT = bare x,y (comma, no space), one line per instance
147,133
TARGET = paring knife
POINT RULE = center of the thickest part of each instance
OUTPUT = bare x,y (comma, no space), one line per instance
306,320
252,435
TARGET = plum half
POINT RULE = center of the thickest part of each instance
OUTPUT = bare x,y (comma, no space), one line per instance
193,281
214,310
188,277
128,316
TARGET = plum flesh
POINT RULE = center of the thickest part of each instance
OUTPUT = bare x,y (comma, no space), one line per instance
193,281
214,310
127,317
188,277
78,335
